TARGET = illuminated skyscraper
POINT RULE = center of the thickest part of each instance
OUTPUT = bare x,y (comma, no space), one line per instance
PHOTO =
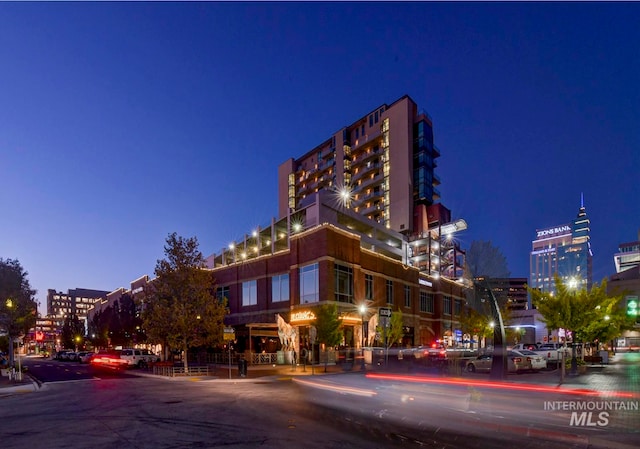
564,250
383,164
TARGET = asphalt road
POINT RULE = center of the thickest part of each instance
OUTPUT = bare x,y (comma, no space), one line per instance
78,407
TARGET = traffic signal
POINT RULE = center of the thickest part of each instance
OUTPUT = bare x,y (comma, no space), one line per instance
632,307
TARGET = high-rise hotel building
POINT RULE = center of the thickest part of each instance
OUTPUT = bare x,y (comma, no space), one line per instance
381,166
564,250
385,160
358,225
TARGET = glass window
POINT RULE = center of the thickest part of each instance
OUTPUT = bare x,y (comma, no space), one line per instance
222,293
368,287
250,293
389,292
457,306
376,118
344,283
280,288
407,296
446,305
426,302
370,120
309,284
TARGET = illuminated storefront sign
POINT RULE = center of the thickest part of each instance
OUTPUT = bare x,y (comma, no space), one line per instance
565,229
306,315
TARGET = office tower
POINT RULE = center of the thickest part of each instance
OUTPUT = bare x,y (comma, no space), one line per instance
564,250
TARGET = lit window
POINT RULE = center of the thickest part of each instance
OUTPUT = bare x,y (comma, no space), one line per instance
309,288
280,288
250,293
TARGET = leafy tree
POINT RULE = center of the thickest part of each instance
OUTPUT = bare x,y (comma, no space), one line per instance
589,315
72,333
99,328
119,324
181,310
393,333
609,320
18,308
327,327
125,324
473,322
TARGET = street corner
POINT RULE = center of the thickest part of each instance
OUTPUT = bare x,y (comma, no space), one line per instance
8,387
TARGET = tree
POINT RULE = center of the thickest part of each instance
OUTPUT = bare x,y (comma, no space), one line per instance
473,322
394,332
485,264
99,328
18,308
119,324
181,310
582,313
477,316
327,327
483,260
72,333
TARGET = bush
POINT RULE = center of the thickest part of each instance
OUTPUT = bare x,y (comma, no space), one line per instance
567,362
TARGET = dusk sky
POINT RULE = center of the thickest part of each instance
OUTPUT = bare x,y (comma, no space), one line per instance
123,122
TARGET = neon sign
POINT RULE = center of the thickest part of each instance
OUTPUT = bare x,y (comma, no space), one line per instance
553,231
303,316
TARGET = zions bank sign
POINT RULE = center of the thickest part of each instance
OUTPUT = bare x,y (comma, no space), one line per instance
553,232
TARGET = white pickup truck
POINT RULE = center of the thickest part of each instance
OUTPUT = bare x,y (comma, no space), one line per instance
552,352
138,357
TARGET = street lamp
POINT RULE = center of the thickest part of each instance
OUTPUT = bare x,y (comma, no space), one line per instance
9,304
573,283
362,309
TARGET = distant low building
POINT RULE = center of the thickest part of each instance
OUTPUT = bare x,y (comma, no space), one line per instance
628,283
76,302
628,255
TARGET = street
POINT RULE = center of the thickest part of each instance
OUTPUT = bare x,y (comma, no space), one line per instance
79,407
125,411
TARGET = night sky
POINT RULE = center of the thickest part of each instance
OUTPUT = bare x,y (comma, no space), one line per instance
123,122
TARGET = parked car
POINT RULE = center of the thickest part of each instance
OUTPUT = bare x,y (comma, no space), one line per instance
553,352
431,355
480,364
59,355
517,362
138,357
84,356
526,346
524,360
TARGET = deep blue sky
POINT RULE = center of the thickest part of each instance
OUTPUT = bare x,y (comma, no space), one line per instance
123,122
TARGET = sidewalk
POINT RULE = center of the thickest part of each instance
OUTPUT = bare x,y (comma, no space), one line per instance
622,373
25,385
266,373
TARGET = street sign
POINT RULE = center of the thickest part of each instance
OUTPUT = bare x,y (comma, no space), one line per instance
385,311
229,333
